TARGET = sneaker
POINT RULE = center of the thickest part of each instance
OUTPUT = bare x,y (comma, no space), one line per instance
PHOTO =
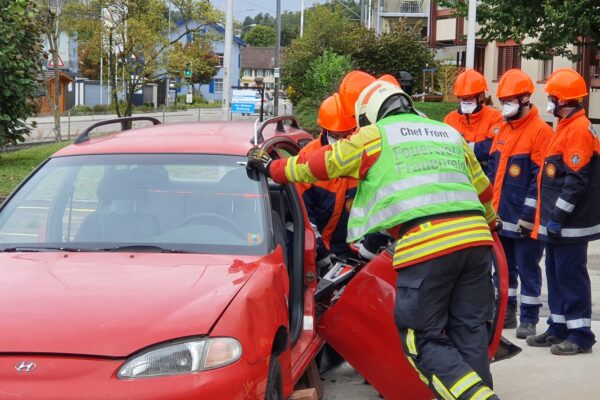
525,329
510,318
568,348
542,340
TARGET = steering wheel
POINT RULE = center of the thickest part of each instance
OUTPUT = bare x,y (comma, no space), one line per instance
213,219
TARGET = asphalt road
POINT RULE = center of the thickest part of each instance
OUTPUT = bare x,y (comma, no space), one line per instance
533,374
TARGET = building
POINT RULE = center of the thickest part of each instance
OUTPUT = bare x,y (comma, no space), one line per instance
258,62
379,14
213,91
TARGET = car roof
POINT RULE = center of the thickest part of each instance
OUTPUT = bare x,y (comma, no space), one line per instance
220,137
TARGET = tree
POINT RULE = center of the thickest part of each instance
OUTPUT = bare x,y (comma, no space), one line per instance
260,36
133,36
555,25
51,13
20,59
198,56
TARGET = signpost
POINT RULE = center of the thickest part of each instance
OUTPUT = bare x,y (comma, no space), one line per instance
243,100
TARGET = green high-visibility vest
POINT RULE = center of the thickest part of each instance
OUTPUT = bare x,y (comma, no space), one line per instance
421,171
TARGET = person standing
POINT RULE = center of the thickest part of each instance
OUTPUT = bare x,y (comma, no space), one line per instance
568,216
516,156
477,122
420,181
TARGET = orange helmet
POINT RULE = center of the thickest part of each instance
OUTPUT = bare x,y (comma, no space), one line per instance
469,83
566,84
331,118
352,84
513,83
389,78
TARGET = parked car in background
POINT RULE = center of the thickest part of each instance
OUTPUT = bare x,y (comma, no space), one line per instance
268,104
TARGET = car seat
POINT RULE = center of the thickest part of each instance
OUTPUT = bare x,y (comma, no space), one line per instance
117,218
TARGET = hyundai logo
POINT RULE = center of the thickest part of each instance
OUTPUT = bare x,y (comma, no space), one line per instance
25,366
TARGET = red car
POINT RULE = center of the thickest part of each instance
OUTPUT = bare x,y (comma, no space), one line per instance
150,264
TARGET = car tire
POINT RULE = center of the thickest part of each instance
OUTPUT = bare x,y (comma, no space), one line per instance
274,384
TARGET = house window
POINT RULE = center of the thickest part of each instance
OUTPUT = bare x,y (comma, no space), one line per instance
218,85
547,67
259,72
220,55
509,57
247,72
268,73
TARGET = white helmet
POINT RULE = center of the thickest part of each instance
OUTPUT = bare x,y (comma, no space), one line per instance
379,99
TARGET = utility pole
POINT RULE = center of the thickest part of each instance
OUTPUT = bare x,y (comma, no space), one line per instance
277,48
227,59
470,62
301,18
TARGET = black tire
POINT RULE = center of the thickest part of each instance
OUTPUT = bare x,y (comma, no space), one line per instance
274,384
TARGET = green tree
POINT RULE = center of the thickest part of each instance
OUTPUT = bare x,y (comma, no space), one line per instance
260,36
290,27
198,55
556,25
133,37
325,73
20,58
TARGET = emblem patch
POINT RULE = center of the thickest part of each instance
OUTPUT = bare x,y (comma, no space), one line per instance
575,159
348,204
514,170
495,131
550,170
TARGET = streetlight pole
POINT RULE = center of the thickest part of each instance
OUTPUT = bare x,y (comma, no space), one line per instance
277,46
470,62
227,59
258,80
301,18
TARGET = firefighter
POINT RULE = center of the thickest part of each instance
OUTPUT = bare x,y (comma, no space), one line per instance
516,156
419,180
568,216
477,122
328,203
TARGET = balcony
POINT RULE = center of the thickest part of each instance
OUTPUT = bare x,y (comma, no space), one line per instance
404,7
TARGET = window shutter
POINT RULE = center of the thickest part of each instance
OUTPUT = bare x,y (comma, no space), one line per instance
211,86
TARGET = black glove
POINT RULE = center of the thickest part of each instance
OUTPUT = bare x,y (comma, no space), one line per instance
259,159
525,228
497,226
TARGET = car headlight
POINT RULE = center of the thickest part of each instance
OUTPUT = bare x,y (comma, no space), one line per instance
182,358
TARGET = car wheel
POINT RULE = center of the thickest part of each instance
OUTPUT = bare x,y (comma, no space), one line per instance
274,385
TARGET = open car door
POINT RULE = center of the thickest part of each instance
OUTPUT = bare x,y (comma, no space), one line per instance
360,327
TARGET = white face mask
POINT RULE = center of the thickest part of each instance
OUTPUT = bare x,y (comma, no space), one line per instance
331,139
509,109
551,107
467,107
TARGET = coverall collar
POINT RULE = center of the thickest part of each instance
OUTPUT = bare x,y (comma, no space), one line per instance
566,121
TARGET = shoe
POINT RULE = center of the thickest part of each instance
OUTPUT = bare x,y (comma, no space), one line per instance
568,348
510,318
525,329
542,340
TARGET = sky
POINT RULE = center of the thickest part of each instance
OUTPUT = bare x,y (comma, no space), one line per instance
244,8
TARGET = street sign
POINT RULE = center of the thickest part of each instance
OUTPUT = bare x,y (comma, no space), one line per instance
189,98
243,100
50,64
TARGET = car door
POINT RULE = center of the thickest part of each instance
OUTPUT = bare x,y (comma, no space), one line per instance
360,327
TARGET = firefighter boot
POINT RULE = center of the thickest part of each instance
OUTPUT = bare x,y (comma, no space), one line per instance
510,318
525,329
568,348
543,340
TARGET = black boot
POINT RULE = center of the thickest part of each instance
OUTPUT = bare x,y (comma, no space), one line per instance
525,329
510,318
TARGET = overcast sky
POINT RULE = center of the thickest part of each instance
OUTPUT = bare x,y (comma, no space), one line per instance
244,8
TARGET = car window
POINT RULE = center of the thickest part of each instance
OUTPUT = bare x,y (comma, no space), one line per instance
178,202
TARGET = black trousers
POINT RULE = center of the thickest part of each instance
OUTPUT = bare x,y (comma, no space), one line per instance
443,310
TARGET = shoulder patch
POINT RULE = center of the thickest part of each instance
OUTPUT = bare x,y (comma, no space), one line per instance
514,170
550,170
496,130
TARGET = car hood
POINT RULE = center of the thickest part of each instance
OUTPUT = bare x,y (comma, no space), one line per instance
112,304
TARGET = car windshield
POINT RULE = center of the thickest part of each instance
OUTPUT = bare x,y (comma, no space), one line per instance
145,202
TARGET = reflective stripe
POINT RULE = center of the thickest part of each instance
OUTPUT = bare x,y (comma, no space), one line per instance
349,157
373,147
465,383
440,228
507,226
292,168
529,202
557,319
512,292
408,183
441,389
528,225
410,342
405,256
579,323
423,377
530,300
565,205
573,232
406,205
482,394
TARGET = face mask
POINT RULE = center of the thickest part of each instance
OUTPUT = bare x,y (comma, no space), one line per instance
510,109
551,107
467,107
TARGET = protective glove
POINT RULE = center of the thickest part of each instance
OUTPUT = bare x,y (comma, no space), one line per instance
525,228
259,159
497,225
553,228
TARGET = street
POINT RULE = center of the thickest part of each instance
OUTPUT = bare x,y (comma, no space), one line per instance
533,374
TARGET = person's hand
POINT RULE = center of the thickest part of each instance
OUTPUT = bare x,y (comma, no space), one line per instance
553,228
497,225
259,159
525,228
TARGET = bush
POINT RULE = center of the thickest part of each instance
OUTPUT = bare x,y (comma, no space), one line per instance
100,108
307,112
81,110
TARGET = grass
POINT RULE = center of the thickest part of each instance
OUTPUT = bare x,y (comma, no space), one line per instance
435,110
15,166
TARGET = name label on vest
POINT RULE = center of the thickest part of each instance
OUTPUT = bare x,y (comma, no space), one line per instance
402,132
